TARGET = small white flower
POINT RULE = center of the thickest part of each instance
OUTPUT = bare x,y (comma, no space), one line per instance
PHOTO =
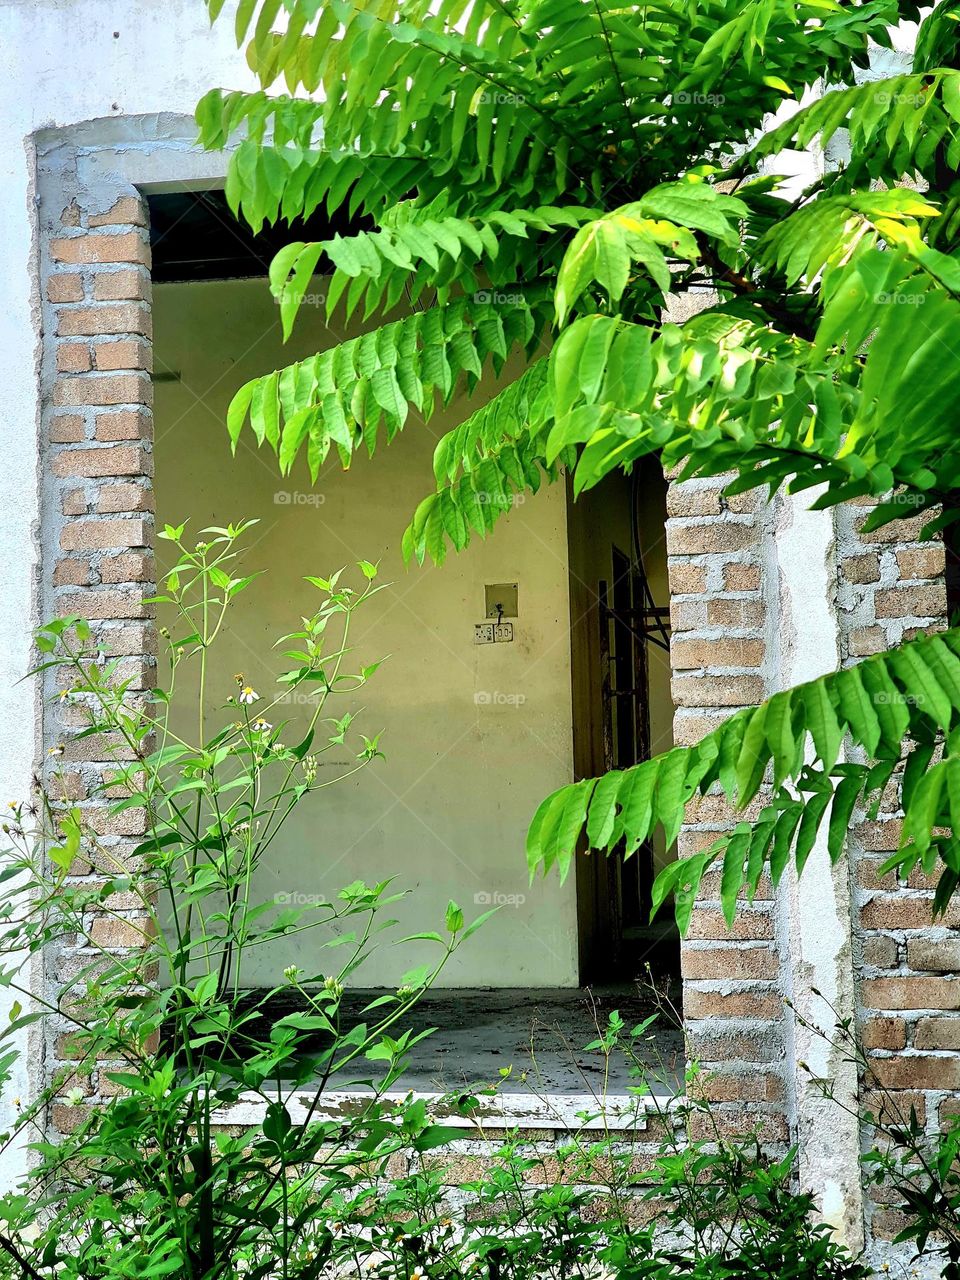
75,1096
261,726
291,972
248,696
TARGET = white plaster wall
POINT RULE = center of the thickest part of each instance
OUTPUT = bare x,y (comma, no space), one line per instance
62,63
475,735
816,907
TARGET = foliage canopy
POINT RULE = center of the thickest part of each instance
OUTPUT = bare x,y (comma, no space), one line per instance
538,178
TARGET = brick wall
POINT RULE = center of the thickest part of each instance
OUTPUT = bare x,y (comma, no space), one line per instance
722,657
98,526
890,585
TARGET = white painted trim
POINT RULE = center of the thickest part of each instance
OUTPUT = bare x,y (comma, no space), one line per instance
560,1112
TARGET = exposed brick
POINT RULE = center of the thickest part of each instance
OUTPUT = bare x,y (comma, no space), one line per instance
912,602
869,877
121,460
65,286
896,911
686,579
735,1004
741,577
133,639
125,424
68,428
884,1033
99,535
738,614
132,566
67,785
73,502
907,529
733,1045
687,615
113,933
910,993
895,1108
127,246
695,840
127,211
710,884
139,674
717,691
121,286
689,729
73,357
738,1123
103,389
937,1033
879,837
71,216
747,1086
129,822
690,500
728,651
865,641
921,562
887,1224
740,962
915,1072
861,569
97,605
71,573
748,503
709,538
880,953
937,956
707,923
124,497
69,1047
103,320
126,353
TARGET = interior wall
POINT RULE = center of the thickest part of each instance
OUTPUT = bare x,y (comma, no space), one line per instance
475,735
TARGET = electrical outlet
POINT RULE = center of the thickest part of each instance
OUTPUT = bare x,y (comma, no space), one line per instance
483,633
503,632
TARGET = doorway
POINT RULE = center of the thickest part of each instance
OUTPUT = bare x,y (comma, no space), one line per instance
623,711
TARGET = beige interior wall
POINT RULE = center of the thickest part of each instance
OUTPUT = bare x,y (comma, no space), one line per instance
475,735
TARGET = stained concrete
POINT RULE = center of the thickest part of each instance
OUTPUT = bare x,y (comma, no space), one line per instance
541,1034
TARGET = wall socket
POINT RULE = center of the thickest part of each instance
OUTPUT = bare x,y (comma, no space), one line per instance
483,633
503,632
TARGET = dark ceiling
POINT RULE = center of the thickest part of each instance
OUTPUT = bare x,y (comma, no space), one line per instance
194,236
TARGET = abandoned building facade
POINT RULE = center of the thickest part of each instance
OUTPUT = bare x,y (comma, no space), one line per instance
131,313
